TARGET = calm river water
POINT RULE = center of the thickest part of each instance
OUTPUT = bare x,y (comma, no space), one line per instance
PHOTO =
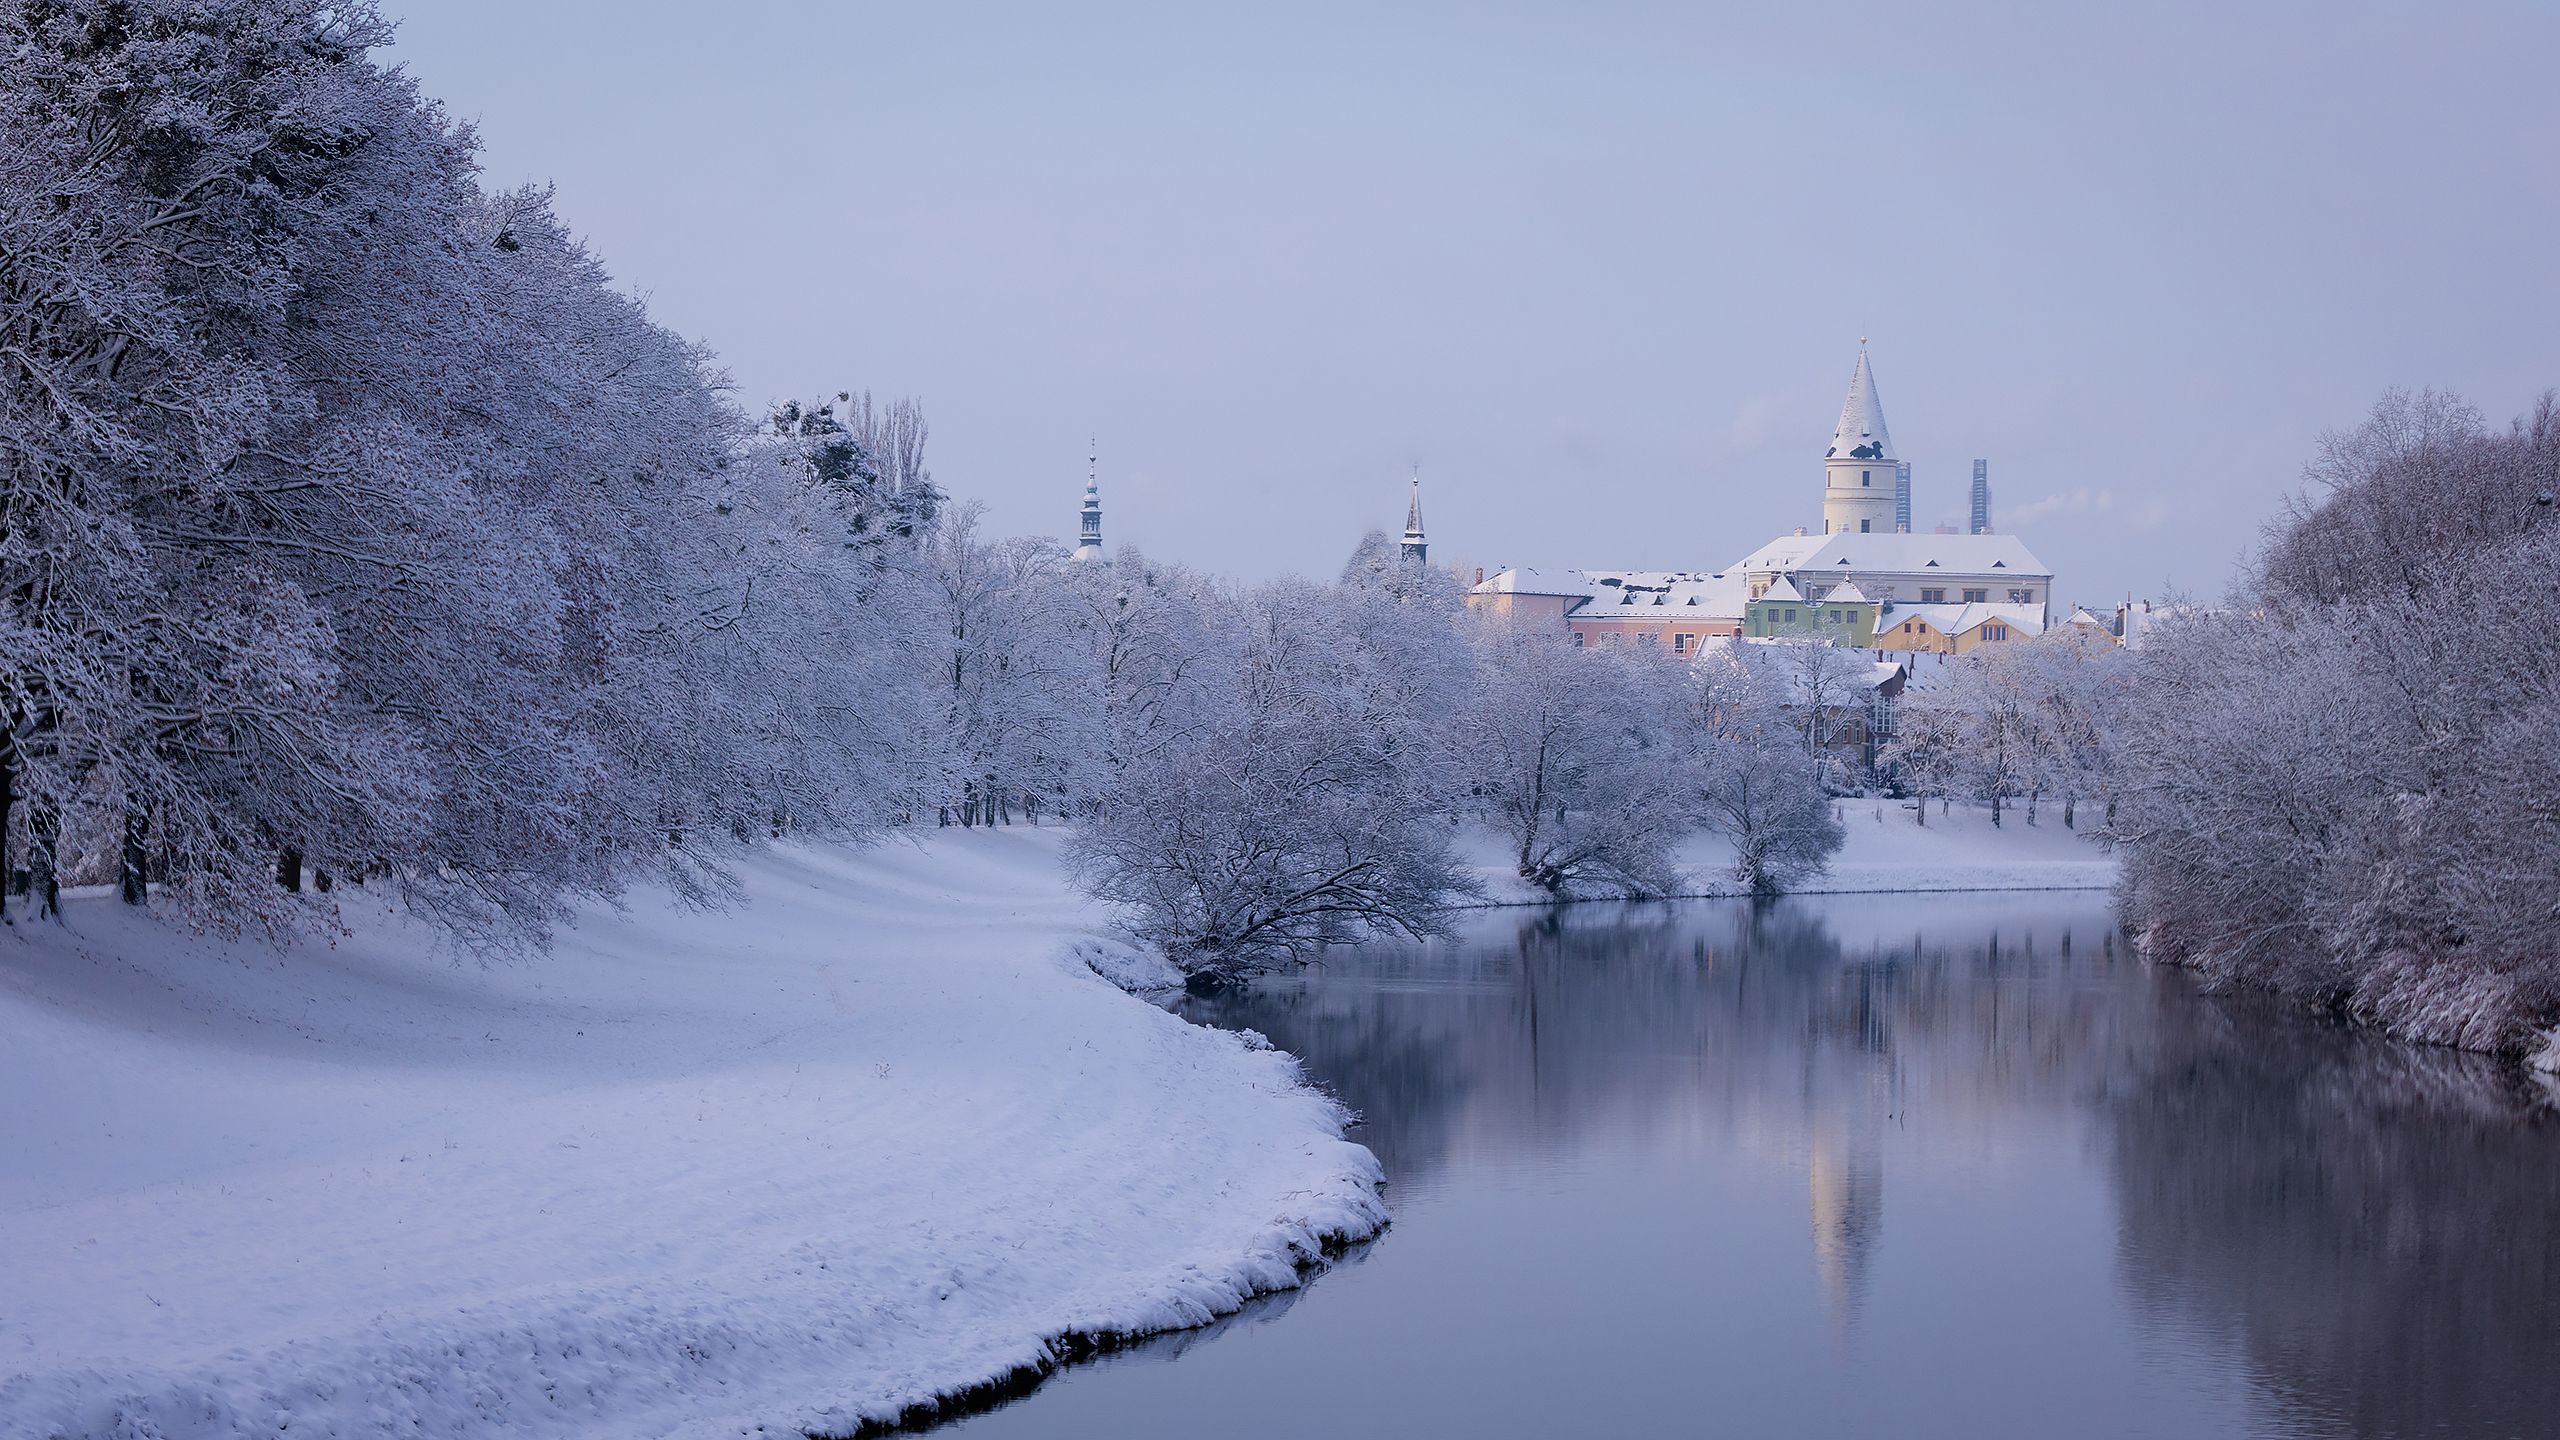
1863,1166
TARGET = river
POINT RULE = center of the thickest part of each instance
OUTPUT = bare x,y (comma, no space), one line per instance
1901,1165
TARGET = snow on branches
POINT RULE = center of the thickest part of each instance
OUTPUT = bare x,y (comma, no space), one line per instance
2339,784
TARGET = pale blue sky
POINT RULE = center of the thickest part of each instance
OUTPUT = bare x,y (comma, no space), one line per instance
1600,270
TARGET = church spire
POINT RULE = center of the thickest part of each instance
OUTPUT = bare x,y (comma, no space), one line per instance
1415,548
1089,531
1861,435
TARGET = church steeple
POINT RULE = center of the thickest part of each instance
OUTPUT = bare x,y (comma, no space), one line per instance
1415,548
1860,434
1089,532
1859,468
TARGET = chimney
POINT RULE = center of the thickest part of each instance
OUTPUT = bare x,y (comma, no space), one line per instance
1479,574
1799,529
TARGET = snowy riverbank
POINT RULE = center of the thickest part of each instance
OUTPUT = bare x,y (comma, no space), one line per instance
1884,850
870,1140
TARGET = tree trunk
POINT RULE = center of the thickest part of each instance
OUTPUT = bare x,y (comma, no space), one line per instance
44,841
2068,803
1995,809
8,802
289,869
134,883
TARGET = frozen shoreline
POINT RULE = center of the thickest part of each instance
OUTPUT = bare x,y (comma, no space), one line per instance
875,1140
1885,852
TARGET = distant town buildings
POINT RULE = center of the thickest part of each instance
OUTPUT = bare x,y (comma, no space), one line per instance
1865,581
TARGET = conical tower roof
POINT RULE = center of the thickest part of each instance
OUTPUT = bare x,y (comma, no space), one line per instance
1413,512
1861,435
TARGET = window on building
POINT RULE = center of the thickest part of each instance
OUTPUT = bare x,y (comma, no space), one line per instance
1933,597
1866,477
1647,639
1791,616
1995,631
2022,597
1976,597
1577,639
1679,644
1862,527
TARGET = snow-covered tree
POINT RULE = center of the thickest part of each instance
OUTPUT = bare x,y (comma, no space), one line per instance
1748,768
1569,753
1830,693
353,526
1268,809
1022,703
2338,784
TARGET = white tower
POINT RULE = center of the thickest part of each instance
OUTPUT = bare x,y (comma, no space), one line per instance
1089,532
1414,547
1859,467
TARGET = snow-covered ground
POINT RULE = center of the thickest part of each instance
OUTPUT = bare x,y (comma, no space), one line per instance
1884,850
874,1138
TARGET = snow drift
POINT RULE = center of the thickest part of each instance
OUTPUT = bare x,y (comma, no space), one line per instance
874,1139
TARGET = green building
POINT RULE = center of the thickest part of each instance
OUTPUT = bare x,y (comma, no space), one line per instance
1841,614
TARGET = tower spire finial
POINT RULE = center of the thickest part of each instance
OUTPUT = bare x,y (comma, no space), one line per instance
1089,521
1414,547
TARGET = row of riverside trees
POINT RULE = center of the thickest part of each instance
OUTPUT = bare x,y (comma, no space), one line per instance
353,527
2340,784
356,531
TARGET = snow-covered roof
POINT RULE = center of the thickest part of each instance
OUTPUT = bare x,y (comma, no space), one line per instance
1668,596
1875,672
1861,435
1697,595
2024,620
1784,590
1784,553
2081,615
1521,580
1899,554
1845,593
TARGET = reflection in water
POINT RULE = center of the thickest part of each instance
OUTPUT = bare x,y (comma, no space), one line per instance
1639,1160
2375,1223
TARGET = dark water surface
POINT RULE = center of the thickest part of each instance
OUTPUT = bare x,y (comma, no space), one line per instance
1875,1166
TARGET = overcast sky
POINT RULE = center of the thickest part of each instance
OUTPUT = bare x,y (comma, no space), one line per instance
1600,271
